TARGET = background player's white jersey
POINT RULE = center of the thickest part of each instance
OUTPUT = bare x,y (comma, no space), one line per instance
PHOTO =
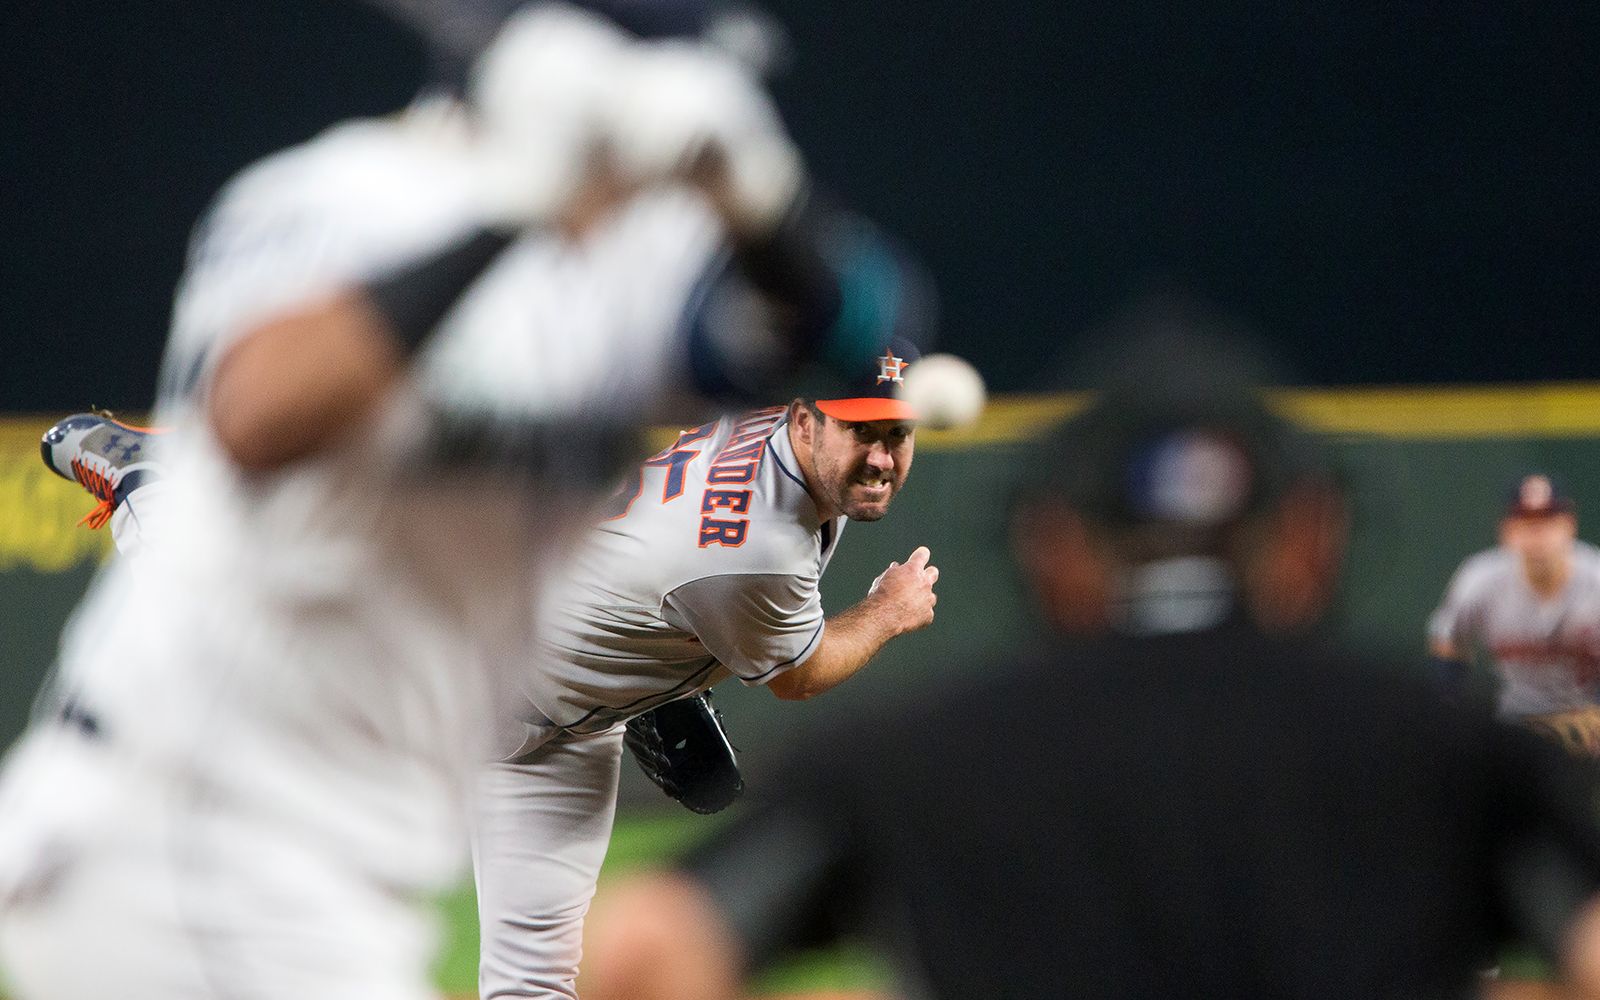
314,648
709,567
1546,652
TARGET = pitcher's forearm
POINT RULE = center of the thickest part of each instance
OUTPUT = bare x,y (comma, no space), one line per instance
849,640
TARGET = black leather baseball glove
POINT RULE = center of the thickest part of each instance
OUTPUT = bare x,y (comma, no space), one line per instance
682,748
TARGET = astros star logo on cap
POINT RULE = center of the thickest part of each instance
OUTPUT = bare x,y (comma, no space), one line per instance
874,391
889,368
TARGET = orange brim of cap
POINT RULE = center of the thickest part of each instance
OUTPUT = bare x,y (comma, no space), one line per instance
866,408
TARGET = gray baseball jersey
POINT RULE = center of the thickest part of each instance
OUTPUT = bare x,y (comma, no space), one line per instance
1546,652
708,566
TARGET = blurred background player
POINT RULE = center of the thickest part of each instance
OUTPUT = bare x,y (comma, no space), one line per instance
709,568
1532,606
393,380
1183,791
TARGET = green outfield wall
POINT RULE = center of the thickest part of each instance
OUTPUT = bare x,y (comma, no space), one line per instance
1427,468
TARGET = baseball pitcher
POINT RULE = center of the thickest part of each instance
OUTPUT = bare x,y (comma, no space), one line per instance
707,567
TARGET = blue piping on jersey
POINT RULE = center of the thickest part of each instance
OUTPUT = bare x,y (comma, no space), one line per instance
681,686
779,462
797,658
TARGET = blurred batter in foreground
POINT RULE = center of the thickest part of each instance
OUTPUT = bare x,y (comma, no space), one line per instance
407,358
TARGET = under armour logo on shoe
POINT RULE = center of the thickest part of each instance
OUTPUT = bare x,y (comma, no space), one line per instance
114,442
890,367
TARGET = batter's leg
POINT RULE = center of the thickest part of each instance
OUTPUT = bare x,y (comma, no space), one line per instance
140,520
540,833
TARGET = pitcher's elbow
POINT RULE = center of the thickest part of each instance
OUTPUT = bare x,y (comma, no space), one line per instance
791,688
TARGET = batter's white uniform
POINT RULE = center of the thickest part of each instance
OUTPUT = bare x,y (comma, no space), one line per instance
708,568
289,698
1545,651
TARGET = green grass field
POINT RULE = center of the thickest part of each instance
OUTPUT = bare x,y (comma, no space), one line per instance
637,843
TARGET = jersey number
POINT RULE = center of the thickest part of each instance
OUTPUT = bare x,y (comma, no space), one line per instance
674,459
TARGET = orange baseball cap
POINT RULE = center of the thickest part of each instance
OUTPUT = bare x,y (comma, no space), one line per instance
879,390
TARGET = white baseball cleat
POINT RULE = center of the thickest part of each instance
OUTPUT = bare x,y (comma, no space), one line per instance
105,457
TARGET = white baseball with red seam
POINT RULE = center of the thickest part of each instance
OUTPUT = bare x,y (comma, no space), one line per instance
946,391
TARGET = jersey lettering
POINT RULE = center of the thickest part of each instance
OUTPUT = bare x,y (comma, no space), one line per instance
724,475
749,451
735,465
737,501
729,534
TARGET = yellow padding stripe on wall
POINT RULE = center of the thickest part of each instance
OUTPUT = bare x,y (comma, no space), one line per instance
39,511
1554,409
1420,413
1543,410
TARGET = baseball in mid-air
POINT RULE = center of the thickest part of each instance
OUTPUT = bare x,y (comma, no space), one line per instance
946,392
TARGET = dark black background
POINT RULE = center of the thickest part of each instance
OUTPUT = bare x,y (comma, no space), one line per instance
1400,192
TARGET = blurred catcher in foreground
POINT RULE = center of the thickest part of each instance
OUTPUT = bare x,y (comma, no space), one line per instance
1183,791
